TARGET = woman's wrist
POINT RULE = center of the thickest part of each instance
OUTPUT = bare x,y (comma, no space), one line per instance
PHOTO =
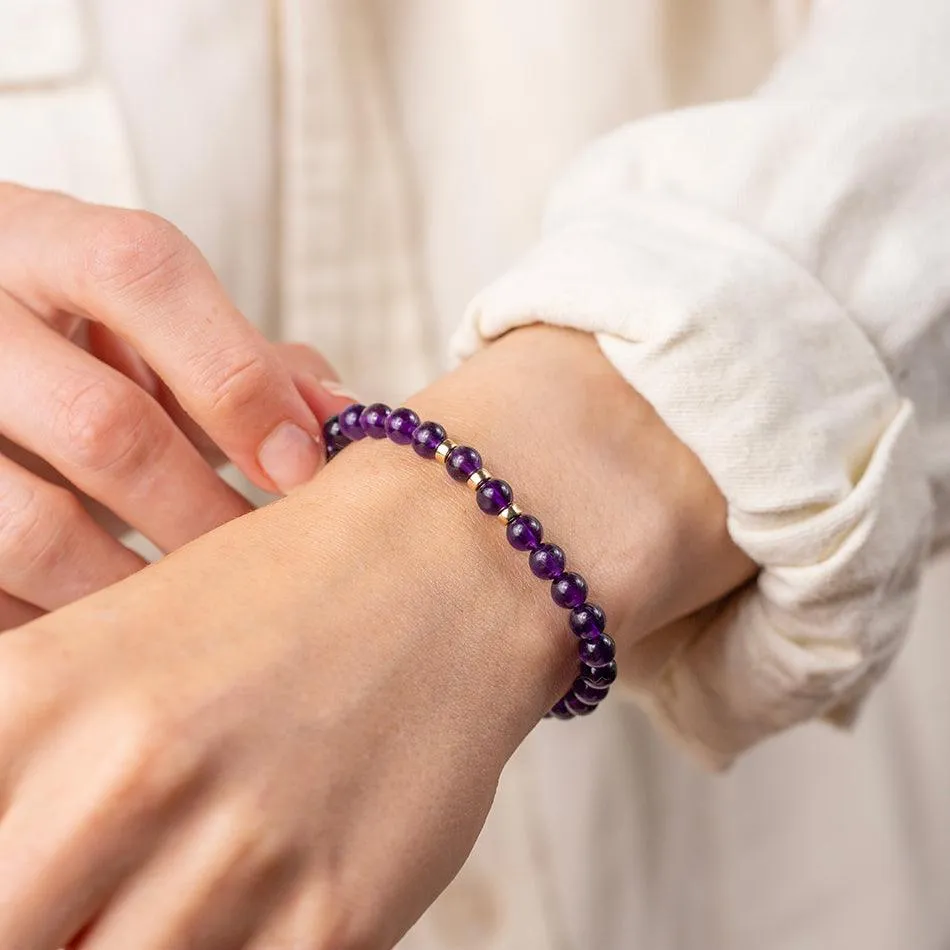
585,454
633,506
428,567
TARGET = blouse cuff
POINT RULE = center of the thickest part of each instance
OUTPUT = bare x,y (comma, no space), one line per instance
757,369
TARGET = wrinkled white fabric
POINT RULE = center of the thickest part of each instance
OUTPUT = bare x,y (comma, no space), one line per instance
770,274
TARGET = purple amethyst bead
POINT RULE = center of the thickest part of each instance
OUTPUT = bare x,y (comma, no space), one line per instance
401,425
569,590
333,435
525,533
576,706
592,695
373,420
560,711
350,422
462,463
601,677
427,438
333,451
599,652
547,562
587,621
494,496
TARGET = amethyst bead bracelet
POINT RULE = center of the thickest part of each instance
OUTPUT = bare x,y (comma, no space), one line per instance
597,667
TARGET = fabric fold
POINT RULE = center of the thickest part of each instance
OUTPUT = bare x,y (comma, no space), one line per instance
767,378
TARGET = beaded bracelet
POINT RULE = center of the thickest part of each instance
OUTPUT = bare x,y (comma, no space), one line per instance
598,668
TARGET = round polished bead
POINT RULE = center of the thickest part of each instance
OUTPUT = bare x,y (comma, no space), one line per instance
333,434
587,621
547,562
592,695
427,438
333,451
494,496
569,590
373,420
462,463
599,652
560,711
576,706
401,425
350,422
602,676
525,533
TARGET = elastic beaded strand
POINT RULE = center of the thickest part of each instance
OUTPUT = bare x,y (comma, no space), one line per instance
597,668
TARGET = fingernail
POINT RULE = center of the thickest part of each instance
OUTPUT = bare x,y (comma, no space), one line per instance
335,388
290,456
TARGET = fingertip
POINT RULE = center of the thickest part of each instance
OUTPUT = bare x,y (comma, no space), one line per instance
290,456
324,398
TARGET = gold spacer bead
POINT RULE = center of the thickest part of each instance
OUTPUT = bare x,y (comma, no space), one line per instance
442,452
509,514
478,478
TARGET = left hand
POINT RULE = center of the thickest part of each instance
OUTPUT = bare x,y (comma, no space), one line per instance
289,732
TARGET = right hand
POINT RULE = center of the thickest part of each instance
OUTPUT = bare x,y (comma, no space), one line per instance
120,357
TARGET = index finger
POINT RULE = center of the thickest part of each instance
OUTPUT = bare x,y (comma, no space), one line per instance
141,277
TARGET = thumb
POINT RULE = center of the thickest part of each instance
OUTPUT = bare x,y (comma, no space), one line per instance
314,377
316,380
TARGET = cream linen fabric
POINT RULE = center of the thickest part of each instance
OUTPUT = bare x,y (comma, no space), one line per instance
770,274
357,169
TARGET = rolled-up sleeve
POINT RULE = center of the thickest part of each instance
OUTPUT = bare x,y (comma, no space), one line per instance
770,274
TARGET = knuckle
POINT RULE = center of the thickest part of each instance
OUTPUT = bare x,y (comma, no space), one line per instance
234,382
20,514
260,849
340,931
106,426
135,249
156,760
28,671
35,523
46,543
333,920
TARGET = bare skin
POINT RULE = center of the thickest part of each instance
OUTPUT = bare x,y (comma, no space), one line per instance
122,363
288,733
